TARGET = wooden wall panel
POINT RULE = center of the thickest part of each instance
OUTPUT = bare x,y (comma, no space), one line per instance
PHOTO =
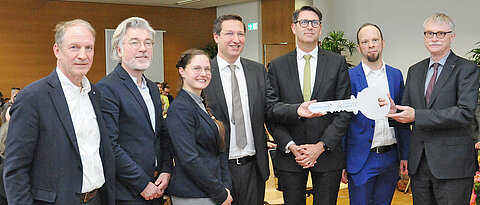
276,25
26,36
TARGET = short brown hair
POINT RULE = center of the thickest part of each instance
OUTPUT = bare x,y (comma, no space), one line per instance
217,25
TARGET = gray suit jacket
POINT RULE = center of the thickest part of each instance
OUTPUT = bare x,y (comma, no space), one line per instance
441,128
331,83
42,160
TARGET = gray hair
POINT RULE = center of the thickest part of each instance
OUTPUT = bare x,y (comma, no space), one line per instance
61,27
121,30
440,18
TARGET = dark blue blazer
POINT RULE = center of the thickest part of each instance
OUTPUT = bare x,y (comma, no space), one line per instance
135,143
360,133
42,162
201,170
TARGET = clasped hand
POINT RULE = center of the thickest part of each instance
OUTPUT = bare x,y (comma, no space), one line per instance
156,190
306,155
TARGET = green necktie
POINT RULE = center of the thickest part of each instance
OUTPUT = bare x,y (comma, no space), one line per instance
307,85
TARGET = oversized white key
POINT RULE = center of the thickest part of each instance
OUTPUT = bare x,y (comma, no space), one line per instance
366,102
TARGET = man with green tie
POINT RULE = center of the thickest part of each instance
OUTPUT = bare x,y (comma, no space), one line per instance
309,145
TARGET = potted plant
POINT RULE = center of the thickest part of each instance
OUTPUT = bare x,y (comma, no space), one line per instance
336,42
475,54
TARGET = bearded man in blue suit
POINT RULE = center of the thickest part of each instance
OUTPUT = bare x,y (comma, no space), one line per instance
374,150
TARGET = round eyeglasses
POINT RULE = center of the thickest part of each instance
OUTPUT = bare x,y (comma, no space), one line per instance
137,43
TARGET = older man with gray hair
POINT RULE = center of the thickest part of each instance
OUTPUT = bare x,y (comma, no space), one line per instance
440,98
132,110
58,150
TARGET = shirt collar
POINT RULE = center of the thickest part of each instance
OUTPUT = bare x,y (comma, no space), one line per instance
69,86
196,98
367,70
144,82
223,64
441,61
313,53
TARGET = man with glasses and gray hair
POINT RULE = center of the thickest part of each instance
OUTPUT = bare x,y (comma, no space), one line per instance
439,100
58,150
310,145
132,109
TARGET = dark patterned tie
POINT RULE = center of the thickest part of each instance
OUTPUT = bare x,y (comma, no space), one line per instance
431,84
237,111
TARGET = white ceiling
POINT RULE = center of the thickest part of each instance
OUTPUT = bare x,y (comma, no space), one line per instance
168,3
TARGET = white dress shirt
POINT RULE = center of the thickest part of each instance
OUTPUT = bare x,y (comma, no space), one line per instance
383,134
145,92
301,66
86,131
225,75
301,61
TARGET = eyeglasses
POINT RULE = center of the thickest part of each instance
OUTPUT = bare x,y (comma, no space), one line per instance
198,70
440,34
137,43
304,23
231,34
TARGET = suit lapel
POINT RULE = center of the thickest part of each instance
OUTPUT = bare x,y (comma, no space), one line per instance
96,108
60,103
156,102
217,86
292,60
423,66
442,79
250,79
321,68
362,79
132,87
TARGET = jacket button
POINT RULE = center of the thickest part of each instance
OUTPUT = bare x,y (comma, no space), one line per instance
370,141
373,126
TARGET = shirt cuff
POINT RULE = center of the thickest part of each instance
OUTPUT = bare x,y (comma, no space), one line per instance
288,145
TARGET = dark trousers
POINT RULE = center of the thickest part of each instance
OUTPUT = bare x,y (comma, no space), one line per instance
325,187
375,183
429,190
248,186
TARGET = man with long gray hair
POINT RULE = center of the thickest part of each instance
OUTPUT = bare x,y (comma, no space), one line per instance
132,110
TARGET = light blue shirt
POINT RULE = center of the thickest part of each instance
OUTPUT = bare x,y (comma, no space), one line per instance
145,92
430,70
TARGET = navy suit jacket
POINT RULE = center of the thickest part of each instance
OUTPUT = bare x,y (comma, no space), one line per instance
201,169
136,145
360,133
42,162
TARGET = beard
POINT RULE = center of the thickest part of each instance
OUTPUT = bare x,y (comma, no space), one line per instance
137,66
373,58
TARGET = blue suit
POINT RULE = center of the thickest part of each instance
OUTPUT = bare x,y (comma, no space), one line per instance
140,150
201,169
366,169
42,159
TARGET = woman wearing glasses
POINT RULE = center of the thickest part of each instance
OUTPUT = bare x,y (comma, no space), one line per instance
201,174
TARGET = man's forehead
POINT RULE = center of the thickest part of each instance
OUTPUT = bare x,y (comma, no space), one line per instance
307,13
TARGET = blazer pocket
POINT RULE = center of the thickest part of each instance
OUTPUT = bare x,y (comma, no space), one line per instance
43,195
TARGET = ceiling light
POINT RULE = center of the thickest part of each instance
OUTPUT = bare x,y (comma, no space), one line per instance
184,2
